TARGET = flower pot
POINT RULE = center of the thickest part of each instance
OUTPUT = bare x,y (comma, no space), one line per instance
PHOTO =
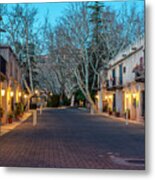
117,114
110,112
10,120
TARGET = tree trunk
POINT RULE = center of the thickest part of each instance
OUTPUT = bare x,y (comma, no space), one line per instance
100,103
72,100
61,99
93,109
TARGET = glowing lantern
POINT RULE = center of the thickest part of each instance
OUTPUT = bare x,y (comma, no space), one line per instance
25,96
11,93
134,95
3,92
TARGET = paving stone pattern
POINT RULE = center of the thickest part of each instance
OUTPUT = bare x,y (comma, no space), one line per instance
72,138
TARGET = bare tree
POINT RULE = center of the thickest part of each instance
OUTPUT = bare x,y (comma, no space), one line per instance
74,58
74,34
19,25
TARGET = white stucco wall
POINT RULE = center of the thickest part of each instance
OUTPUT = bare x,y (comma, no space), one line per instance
132,59
119,101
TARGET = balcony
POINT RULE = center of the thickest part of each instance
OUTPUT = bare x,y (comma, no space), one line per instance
110,84
139,71
114,84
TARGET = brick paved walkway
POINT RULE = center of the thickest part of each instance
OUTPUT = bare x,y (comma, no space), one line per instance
70,138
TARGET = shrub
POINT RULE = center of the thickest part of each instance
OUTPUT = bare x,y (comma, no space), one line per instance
53,101
19,109
10,115
66,101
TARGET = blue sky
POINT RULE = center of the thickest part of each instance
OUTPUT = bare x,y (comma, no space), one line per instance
56,10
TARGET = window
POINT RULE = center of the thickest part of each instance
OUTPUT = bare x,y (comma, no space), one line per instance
114,77
120,74
124,69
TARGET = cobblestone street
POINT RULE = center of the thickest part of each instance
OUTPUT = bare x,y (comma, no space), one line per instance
72,138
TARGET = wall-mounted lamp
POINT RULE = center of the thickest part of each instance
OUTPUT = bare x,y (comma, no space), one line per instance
25,96
110,96
97,96
3,92
11,93
134,95
36,91
127,95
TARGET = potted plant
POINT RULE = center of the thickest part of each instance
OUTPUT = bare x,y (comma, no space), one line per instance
1,112
19,110
117,114
10,117
114,111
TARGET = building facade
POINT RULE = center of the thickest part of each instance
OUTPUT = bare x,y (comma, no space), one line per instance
123,93
10,81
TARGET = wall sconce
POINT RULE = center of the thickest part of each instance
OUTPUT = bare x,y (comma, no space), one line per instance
36,91
11,93
19,94
97,96
3,92
134,95
127,95
110,96
25,96
106,97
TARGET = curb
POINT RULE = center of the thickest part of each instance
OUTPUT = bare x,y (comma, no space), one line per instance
9,127
119,119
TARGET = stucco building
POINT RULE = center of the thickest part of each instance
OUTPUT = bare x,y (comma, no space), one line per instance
123,93
10,81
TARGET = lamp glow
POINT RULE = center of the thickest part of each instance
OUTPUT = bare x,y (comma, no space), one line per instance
3,92
11,93
25,96
19,94
36,91
110,96
134,95
97,96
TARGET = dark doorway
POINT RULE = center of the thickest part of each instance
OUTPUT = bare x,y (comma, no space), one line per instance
143,103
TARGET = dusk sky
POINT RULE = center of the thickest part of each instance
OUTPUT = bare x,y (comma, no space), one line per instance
56,9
